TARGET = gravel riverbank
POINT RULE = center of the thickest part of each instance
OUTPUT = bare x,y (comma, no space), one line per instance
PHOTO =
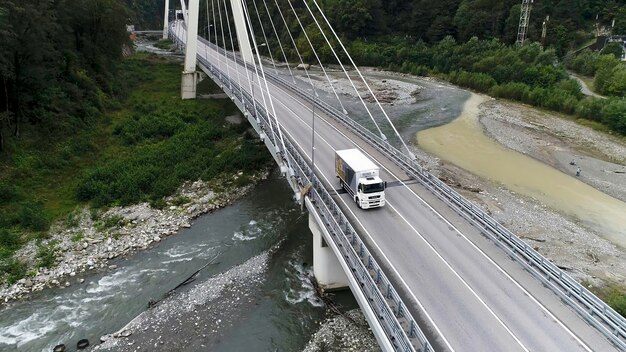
193,319
97,237
340,333
548,137
556,141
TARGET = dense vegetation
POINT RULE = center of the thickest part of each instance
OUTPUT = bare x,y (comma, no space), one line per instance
57,62
527,74
608,72
78,124
140,151
471,44
57,70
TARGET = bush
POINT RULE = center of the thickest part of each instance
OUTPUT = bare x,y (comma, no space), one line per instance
513,90
181,200
9,239
606,67
590,109
584,63
481,82
72,219
614,114
616,84
110,222
78,237
617,301
8,192
46,255
158,167
12,269
31,216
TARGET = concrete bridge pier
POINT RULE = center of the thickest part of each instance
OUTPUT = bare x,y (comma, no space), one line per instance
326,267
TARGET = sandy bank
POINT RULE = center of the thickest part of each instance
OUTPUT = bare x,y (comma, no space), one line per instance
554,141
549,138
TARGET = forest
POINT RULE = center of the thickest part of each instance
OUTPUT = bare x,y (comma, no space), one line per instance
471,43
85,122
58,58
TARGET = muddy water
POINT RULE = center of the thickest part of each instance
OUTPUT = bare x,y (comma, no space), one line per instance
463,143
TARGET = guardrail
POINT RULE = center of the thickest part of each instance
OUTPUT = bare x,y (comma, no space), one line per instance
393,316
585,303
589,306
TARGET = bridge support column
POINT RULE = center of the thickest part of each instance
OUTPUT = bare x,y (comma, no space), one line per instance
166,19
241,27
326,267
190,78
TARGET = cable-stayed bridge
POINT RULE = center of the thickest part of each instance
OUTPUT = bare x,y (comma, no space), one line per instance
430,270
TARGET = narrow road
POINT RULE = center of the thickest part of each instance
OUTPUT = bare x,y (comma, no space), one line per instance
584,88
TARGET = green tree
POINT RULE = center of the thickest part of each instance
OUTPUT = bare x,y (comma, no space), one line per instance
615,49
356,18
481,18
604,72
620,21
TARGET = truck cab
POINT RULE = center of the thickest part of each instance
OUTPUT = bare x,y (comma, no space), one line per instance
370,193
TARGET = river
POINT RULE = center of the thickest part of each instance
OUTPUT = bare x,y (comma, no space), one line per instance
463,143
280,312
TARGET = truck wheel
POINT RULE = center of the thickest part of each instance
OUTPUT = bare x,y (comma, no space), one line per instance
358,203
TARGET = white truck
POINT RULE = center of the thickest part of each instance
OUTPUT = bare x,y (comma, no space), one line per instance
359,176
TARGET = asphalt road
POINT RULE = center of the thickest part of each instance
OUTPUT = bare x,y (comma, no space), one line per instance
467,294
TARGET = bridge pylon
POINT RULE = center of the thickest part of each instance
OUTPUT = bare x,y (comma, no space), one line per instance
190,75
166,19
241,27
191,15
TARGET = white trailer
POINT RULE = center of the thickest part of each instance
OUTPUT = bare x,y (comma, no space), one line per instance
359,176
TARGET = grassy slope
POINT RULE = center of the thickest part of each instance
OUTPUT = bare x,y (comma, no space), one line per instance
142,150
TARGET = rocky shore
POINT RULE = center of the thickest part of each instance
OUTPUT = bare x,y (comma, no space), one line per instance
96,237
194,319
340,333
554,140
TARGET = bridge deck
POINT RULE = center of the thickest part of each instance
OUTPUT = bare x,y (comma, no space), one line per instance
466,293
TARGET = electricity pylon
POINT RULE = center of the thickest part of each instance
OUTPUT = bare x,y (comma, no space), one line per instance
524,19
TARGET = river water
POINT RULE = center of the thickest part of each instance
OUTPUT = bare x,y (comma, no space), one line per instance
463,143
281,310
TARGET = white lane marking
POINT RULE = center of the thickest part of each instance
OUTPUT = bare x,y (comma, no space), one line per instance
498,267
375,244
439,215
461,279
423,239
417,232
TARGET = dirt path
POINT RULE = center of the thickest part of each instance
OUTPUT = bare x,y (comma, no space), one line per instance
584,88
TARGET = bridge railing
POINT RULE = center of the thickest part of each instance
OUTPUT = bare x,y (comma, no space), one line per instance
584,302
398,324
